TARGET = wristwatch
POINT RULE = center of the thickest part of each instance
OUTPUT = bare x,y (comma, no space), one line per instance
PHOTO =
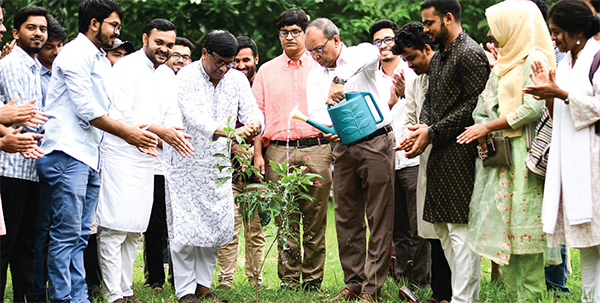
338,80
430,132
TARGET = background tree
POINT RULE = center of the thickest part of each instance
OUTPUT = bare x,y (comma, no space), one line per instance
256,18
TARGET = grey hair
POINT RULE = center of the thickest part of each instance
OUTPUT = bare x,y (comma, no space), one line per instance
326,26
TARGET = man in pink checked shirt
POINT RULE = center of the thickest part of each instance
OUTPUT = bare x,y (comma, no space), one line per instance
280,85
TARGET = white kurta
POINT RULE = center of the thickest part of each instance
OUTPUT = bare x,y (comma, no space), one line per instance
140,94
200,213
415,96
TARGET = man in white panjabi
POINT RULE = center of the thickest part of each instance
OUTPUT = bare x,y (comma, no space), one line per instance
200,214
142,93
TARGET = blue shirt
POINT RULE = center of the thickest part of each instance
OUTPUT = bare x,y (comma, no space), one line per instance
45,76
77,95
20,78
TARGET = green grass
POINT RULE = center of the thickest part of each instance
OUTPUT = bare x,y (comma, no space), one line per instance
332,282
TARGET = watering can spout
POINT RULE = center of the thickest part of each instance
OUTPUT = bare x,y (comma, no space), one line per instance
296,114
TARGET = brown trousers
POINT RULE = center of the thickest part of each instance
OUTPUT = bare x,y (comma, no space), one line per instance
254,250
291,265
364,186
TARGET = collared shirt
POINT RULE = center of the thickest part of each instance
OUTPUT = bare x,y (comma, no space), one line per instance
141,94
76,95
398,111
20,78
365,57
280,85
45,77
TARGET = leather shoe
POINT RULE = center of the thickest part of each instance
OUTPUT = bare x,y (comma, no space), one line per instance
345,295
204,293
210,297
189,298
367,298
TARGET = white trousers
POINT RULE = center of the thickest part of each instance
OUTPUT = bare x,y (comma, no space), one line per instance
590,274
464,263
116,255
192,265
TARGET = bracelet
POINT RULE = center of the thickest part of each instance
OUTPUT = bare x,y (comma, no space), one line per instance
566,101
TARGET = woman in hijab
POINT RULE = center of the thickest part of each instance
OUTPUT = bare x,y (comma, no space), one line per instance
571,212
505,212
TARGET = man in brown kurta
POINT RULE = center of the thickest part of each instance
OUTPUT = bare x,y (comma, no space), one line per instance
458,73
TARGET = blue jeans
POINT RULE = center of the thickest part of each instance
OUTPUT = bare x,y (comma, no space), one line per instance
72,188
556,276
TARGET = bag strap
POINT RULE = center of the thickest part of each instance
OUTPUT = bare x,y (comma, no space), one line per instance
529,136
593,69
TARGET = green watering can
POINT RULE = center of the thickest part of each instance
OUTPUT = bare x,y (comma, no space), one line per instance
352,119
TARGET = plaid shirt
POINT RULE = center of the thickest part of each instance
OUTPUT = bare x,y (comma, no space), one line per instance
20,78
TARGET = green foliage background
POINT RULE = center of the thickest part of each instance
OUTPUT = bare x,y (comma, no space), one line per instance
255,18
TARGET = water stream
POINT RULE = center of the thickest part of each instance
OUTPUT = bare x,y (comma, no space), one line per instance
287,145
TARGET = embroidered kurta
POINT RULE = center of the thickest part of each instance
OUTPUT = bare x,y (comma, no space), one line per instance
140,94
199,212
458,73
506,206
582,112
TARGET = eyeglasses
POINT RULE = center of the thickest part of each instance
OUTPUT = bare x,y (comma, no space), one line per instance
219,63
178,56
116,26
318,51
387,40
295,33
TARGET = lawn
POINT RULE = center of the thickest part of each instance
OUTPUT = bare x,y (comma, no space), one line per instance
332,283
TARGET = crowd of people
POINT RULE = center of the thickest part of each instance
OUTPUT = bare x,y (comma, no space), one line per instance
101,143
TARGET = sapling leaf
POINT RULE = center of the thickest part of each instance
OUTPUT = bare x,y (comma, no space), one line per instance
221,181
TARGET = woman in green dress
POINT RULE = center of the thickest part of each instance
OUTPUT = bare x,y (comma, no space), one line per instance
505,212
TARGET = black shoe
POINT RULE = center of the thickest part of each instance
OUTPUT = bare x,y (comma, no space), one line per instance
223,287
311,287
288,286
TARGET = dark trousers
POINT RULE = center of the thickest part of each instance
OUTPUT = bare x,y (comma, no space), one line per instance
413,256
21,207
364,186
92,268
556,276
154,236
441,275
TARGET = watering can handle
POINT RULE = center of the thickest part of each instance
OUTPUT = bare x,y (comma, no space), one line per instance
376,107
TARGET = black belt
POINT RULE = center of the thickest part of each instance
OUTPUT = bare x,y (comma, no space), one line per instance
382,131
303,142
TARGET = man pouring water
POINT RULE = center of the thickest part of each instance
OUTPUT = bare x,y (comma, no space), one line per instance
364,169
